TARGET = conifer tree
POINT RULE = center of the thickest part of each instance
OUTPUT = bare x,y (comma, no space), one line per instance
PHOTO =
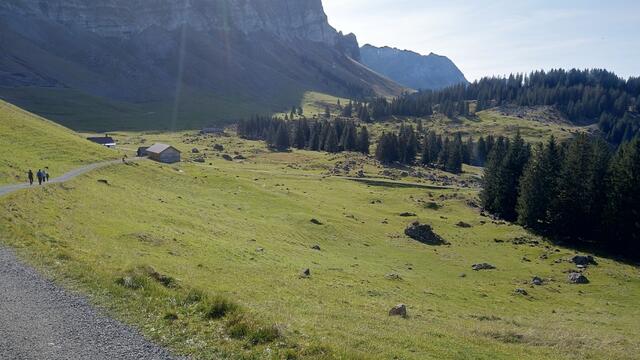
622,210
349,140
331,144
282,137
363,140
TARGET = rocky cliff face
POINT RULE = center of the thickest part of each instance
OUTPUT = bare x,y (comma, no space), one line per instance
412,69
286,19
248,53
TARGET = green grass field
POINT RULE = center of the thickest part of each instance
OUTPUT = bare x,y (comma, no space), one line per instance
241,231
30,142
488,122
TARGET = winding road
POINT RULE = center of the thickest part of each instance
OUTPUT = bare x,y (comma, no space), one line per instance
39,320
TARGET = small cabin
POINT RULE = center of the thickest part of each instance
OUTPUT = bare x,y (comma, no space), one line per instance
163,153
142,151
107,141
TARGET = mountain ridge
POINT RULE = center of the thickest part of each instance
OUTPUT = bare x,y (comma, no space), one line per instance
176,59
412,69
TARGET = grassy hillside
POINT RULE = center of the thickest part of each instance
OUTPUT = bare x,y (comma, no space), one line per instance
241,231
30,142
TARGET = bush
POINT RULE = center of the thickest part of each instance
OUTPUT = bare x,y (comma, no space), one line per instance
133,282
219,307
193,297
241,326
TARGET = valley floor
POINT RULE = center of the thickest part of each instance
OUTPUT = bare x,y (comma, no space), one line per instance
143,239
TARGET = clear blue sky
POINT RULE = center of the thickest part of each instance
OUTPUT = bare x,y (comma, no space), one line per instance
495,37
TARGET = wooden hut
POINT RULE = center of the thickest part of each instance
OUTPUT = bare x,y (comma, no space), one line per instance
163,153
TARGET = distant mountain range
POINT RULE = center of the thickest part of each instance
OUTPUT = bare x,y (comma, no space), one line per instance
411,69
129,64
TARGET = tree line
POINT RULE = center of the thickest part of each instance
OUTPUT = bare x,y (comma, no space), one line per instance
579,191
316,135
410,147
583,96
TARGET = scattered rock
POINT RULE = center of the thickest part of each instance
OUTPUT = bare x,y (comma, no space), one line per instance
103,181
578,278
239,157
316,247
195,151
227,157
315,222
399,310
199,159
305,273
393,276
482,266
463,224
537,281
522,292
218,147
360,174
424,234
584,260
260,250
407,214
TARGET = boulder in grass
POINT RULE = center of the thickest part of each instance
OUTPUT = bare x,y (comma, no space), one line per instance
424,234
537,281
482,266
407,214
463,225
195,151
227,157
315,222
399,310
584,260
316,247
522,292
305,273
578,278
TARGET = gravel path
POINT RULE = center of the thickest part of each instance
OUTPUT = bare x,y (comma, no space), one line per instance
41,320
4,190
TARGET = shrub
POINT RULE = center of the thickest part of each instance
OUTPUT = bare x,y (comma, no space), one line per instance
133,282
194,296
219,307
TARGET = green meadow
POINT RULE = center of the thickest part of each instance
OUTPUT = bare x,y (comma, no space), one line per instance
206,258
30,142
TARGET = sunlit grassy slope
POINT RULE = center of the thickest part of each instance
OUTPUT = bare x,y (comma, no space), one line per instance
489,122
242,230
30,142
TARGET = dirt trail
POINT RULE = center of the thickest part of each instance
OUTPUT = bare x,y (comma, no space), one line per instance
41,320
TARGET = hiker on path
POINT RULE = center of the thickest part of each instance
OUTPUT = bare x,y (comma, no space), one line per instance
46,174
40,176
30,175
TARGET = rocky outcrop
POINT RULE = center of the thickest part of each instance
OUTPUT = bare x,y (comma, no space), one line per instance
411,69
286,19
424,234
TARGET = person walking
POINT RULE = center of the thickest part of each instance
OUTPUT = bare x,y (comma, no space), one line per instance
46,174
40,176
30,175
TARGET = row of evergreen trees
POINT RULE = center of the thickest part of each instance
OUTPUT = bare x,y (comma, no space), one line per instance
433,150
579,191
317,135
584,96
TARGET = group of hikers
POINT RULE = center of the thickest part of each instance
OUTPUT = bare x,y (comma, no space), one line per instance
41,175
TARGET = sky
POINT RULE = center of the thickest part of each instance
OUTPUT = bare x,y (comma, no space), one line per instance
498,37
